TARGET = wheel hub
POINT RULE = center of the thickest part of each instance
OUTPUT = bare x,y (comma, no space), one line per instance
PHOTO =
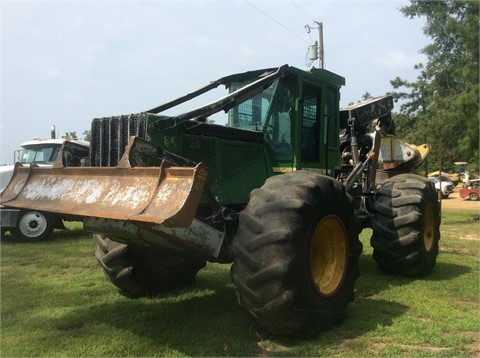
429,227
328,255
32,224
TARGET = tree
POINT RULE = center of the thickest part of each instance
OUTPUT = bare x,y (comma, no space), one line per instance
87,134
72,135
443,102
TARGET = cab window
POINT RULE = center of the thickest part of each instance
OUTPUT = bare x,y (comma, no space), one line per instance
279,126
310,125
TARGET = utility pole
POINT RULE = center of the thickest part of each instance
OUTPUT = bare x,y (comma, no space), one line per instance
321,58
317,51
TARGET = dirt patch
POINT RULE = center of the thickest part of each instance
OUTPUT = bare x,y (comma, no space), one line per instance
475,237
455,202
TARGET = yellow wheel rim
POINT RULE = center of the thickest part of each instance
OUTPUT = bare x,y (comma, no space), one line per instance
328,255
429,227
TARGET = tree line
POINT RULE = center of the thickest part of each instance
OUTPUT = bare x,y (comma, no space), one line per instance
441,107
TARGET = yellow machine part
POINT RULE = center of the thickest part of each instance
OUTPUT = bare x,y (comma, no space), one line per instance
398,155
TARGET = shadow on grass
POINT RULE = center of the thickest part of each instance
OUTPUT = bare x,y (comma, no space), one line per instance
205,320
445,271
373,280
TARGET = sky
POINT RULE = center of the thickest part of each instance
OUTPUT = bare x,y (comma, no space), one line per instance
67,62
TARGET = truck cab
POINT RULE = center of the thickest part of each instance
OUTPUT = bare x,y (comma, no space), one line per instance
29,225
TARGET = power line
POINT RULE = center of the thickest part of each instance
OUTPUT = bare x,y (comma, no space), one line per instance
301,9
274,20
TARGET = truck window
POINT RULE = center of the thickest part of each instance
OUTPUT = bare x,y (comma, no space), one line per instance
39,154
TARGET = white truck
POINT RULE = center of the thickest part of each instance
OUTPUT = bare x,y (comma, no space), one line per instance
32,225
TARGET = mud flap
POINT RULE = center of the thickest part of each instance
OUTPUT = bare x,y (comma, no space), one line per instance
166,195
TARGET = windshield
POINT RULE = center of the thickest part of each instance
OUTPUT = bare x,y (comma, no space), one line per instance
38,154
251,114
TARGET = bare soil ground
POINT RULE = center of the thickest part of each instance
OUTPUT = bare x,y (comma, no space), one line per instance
455,202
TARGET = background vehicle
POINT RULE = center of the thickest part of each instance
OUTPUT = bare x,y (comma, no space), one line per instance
276,191
460,175
28,225
443,185
470,193
454,178
471,181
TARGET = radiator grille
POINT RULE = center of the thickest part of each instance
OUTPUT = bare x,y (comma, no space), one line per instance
110,135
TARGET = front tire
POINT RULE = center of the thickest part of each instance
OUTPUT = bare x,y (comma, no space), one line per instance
33,226
296,253
142,271
406,226
473,196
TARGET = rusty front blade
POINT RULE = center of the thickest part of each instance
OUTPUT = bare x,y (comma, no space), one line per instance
157,195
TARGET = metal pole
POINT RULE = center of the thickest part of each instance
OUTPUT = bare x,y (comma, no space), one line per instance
321,59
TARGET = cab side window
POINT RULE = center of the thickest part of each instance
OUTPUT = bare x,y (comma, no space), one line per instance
279,126
310,144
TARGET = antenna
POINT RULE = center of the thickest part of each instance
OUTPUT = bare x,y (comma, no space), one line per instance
52,132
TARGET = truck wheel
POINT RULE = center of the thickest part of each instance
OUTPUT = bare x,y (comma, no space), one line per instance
406,226
473,196
33,226
296,253
141,271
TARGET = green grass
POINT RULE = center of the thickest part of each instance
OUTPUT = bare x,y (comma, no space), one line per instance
55,301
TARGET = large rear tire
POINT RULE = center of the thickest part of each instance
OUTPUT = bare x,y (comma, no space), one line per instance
33,226
406,226
296,253
141,271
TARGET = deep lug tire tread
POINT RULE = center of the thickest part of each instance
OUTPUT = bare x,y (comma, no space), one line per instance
398,226
139,271
271,253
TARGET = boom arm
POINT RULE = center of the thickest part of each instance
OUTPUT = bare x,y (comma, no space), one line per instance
383,153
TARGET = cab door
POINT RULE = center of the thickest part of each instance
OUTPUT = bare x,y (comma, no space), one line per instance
319,128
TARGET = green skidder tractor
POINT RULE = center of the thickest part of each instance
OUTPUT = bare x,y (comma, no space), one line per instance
282,191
